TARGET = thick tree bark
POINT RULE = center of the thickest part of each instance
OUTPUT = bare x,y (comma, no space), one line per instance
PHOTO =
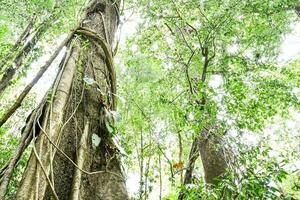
213,155
210,147
77,166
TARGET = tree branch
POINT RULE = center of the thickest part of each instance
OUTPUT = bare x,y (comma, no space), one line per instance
40,73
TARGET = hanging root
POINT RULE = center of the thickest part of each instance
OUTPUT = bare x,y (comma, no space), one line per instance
27,89
73,163
31,126
80,163
44,171
7,171
109,59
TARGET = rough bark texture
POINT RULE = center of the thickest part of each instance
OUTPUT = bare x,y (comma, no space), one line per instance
210,147
213,155
75,104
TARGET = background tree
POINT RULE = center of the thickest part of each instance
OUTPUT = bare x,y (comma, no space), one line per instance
193,43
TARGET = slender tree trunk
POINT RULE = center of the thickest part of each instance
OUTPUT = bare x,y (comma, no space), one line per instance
160,177
20,41
194,154
22,52
66,161
146,192
23,48
141,161
180,155
19,59
297,9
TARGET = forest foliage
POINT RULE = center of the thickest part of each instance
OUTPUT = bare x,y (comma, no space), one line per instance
189,65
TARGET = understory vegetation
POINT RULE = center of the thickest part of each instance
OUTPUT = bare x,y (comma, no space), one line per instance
137,99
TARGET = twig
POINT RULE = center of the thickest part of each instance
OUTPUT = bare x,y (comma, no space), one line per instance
187,73
184,39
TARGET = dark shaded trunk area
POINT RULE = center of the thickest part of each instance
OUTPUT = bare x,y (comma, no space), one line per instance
297,9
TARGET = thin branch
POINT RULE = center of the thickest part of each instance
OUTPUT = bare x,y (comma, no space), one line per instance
170,29
192,27
27,89
184,39
19,42
187,73
205,64
203,15
168,160
177,96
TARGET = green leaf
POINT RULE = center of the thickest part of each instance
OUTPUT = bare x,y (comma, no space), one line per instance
88,81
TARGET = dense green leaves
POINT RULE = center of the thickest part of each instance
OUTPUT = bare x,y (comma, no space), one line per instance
245,87
190,64
255,176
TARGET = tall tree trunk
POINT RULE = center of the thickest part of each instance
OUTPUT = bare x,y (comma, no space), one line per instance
207,144
75,164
